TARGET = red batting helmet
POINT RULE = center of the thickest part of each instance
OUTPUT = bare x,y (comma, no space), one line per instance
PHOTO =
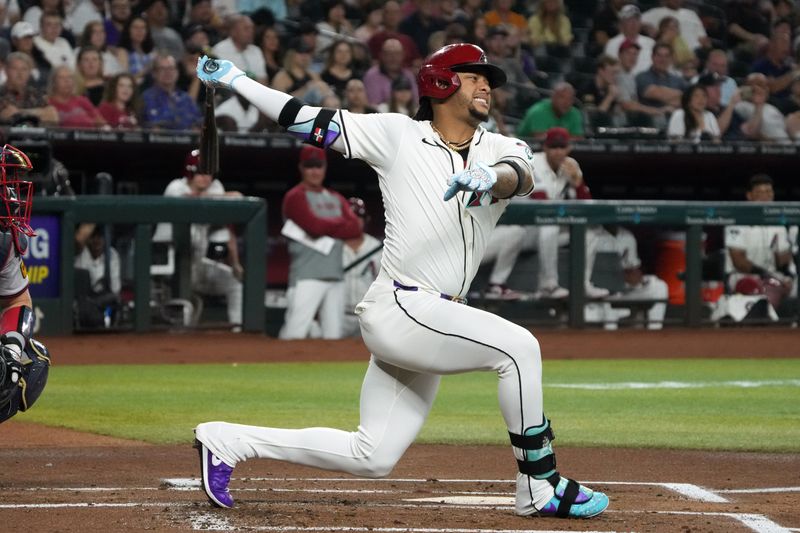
15,192
437,77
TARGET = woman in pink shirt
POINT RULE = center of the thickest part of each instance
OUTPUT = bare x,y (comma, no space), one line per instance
74,111
120,106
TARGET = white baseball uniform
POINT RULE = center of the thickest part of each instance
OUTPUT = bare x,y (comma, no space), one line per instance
410,322
358,278
761,243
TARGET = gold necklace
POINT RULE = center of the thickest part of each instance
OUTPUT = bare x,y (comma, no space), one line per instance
456,147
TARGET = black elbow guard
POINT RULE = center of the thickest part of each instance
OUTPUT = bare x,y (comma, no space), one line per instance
321,131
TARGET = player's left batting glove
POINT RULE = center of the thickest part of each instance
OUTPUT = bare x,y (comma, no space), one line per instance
481,177
217,73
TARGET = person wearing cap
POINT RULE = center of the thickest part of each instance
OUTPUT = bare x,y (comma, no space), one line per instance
728,120
18,98
316,276
558,177
361,261
691,27
693,121
239,47
717,63
208,276
22,34
297,78
630,27
378,79
557,111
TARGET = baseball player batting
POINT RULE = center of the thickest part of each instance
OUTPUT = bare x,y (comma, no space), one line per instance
445,181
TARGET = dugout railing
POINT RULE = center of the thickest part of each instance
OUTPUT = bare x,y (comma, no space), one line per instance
53,255
693,216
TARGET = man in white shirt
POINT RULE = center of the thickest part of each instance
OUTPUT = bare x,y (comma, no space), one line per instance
763,121
239,48
630,24
692,29
56,49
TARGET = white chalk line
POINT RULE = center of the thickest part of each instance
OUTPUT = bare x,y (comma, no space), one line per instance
756,522
639,385
766,490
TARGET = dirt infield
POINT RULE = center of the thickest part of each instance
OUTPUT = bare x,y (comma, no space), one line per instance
60,480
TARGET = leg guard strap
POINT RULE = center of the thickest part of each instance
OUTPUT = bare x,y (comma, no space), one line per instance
538,461
570,496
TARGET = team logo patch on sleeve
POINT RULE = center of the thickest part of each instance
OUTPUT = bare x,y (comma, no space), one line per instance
23,270
528,151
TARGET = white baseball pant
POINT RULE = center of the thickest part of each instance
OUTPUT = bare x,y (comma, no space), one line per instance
305,299
217,279
415,337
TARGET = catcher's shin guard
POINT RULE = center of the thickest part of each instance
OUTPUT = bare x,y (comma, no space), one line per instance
566,498
35,371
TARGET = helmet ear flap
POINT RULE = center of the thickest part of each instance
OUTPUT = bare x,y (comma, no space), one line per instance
438,82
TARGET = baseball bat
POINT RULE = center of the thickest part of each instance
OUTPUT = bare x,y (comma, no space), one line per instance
209,142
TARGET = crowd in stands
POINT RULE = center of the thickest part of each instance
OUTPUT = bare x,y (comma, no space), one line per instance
688,70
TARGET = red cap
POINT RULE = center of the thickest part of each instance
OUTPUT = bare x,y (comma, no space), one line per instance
749,285
629,43
556,138
312,153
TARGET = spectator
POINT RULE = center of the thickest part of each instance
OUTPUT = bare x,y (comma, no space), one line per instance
469,10
208,276
138,46
392,17
277,8
551,26
121,104
22,34
748,27
519,93
165,39
339,67
94,34
315,275
201,14
778,67
638,286
165,106
503,14
19,99
33,14
378,79
690,26
600,95
556,111
630,26
605,25
763,121
759,258
669,33
559,177
187,72
117,20
355,98
296,77
334,28
239,48
100,306
420,24
86,11
717,63
74,111
693,121
239,115
91,79
657,86
729,122
270,44
372,23
361,260
55,48
402,99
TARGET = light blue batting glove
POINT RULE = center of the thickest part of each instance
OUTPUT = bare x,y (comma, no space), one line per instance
479,178
217,73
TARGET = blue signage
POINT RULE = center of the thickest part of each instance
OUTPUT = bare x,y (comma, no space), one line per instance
43,257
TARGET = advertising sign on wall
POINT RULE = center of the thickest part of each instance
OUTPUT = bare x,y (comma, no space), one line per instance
43,257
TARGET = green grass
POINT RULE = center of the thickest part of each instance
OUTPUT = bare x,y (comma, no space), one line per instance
161,404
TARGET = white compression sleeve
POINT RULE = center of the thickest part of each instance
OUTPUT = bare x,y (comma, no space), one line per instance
272,102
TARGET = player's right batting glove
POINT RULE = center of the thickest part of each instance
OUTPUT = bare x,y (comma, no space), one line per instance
481,177
217,73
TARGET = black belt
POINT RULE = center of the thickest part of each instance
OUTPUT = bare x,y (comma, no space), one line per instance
457,299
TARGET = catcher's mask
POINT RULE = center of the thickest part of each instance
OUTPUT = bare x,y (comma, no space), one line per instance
15,192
